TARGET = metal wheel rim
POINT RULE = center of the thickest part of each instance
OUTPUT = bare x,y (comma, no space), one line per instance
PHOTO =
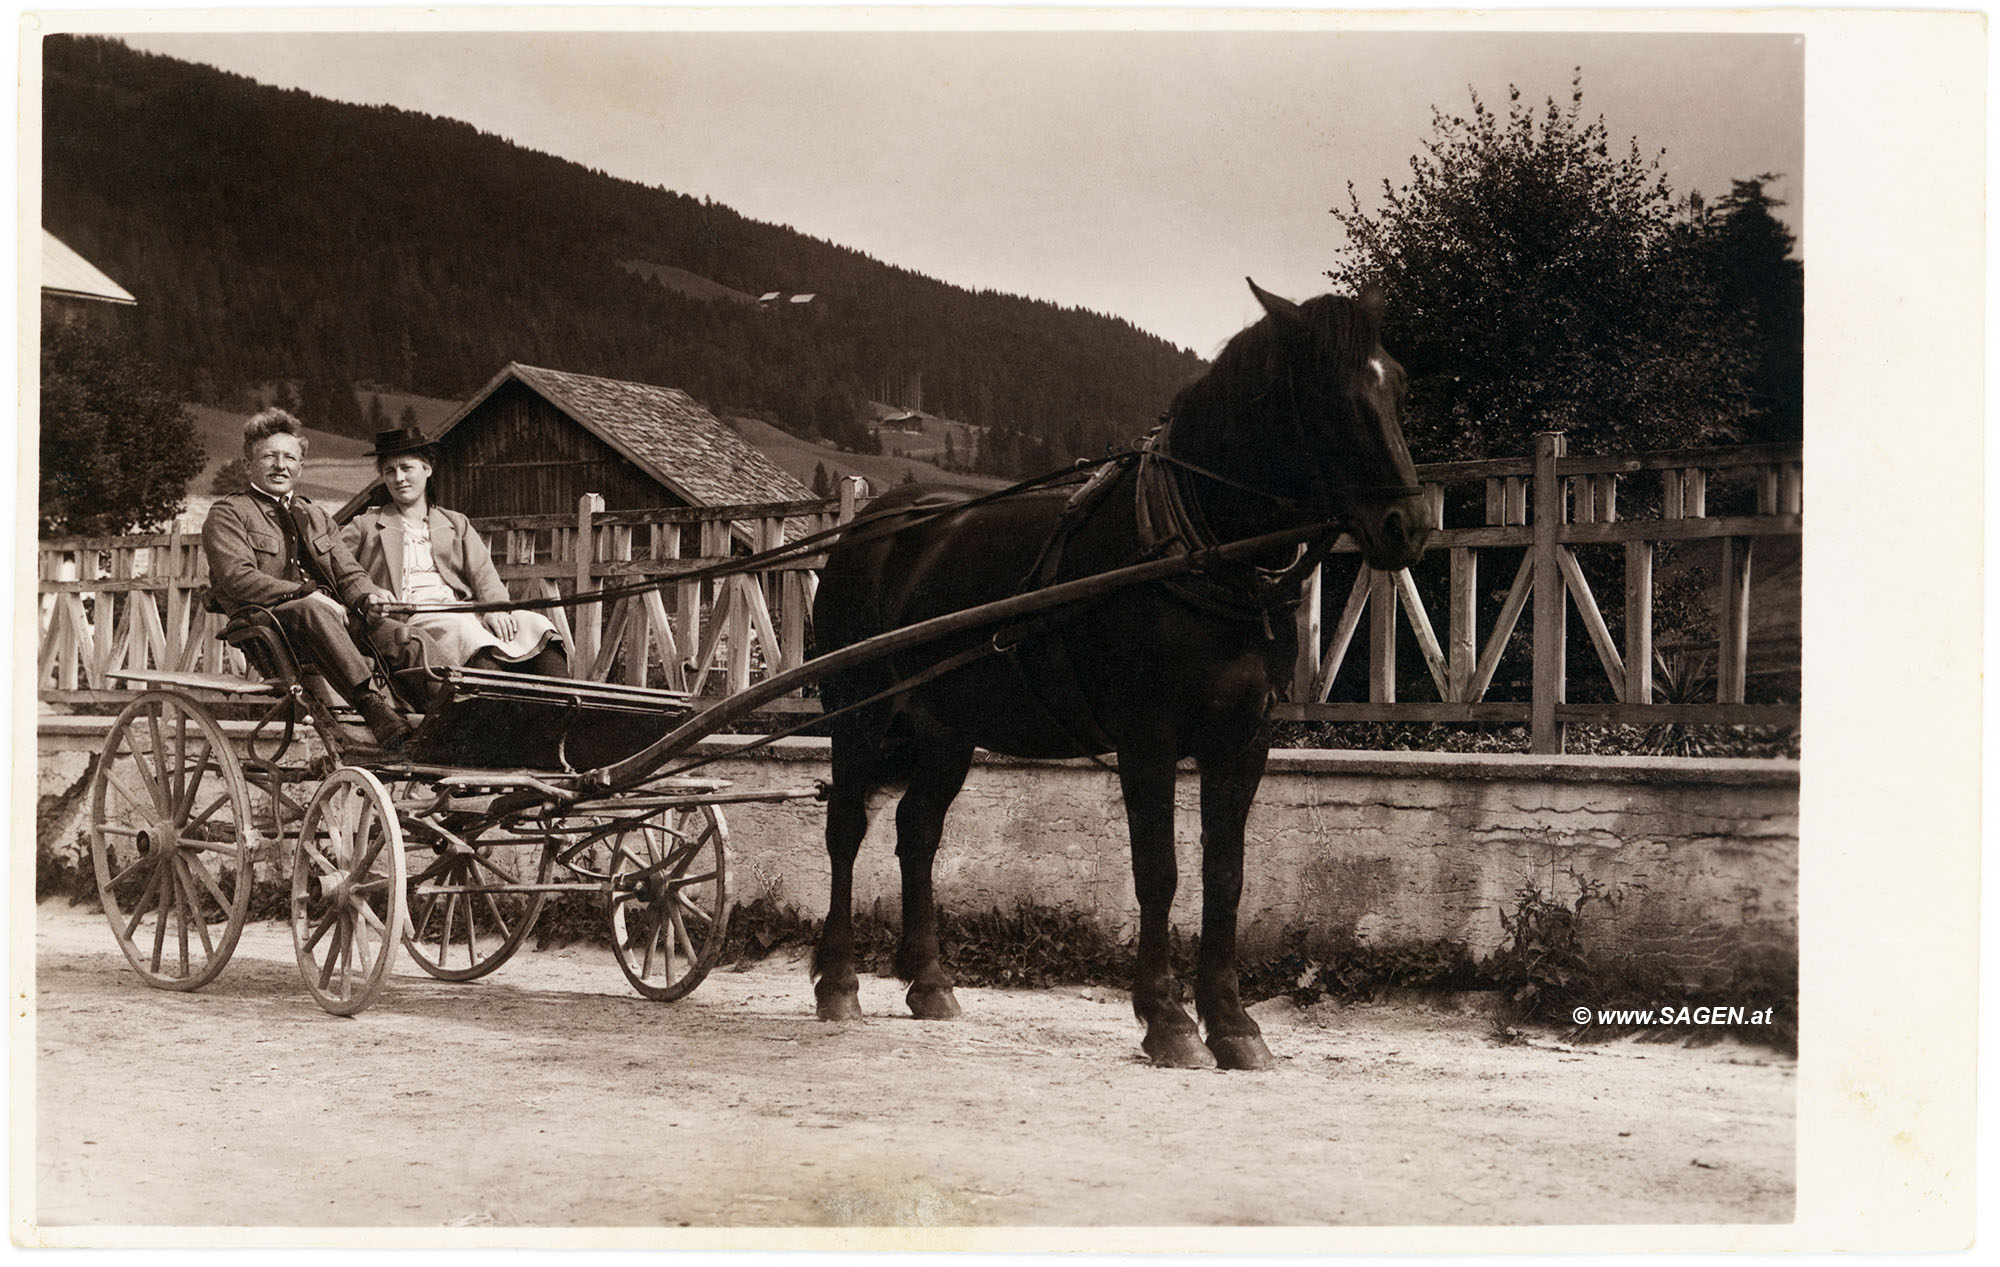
210,867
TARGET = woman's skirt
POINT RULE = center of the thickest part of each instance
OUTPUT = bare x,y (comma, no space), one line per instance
456,637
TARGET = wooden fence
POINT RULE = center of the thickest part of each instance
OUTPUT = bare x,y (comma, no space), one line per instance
134,602
1544,509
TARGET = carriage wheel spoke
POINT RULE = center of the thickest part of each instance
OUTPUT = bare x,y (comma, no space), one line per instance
180,912
680,935
126,874
194,906
349,931
440,863
688,906
201,769
506,929
199,869
366,865
160,923
178,782
471,933
444,933
190,825
332,958
155,777
111,779
373,920
652,939
482,860
208,846
326,866
154,799
139,908
331,918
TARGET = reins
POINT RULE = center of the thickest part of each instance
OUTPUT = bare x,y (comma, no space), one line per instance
864,529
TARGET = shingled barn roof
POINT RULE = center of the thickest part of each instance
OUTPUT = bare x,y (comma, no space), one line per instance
662,430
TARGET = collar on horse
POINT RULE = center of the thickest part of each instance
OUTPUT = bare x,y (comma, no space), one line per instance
1171,519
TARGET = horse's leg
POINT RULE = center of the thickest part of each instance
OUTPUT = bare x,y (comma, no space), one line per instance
1146,775
939,774
1228,784
835,985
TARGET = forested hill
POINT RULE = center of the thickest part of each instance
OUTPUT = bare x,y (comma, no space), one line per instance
271,234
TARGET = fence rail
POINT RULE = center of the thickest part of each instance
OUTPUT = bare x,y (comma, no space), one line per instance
112,604
109,605
1546,508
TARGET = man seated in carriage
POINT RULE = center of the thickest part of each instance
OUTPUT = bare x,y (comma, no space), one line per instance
272,549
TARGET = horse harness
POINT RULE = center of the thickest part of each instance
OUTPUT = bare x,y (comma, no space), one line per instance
1169,519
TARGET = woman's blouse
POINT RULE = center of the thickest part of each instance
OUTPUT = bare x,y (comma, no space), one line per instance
421,582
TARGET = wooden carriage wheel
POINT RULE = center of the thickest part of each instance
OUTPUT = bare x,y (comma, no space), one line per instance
171,840
668,899
347,891
463,921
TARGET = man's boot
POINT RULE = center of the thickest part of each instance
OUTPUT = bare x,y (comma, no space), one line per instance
388,726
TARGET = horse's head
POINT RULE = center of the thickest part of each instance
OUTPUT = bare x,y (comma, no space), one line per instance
1345,396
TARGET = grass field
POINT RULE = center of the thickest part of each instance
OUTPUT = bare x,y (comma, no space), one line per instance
799,457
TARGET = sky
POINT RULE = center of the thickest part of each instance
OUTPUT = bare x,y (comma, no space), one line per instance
1140,173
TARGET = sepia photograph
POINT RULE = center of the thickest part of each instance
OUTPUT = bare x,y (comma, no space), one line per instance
995,630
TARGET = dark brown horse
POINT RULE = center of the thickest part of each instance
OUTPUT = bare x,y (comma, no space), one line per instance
1297,423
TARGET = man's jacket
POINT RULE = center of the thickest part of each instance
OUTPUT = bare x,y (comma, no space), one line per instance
245,545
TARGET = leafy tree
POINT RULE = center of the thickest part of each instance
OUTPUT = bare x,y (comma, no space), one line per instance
822,484
117,448
378,417
1751,252
408,418
1537,280
231,477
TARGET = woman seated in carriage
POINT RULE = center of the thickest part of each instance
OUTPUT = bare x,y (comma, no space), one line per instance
424,553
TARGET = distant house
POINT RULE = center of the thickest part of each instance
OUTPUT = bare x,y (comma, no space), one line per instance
74,289
532,441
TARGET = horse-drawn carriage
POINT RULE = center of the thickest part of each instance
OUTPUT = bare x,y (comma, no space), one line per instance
1139,611
450,846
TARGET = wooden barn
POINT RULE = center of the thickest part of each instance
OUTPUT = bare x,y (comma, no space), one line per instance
533,440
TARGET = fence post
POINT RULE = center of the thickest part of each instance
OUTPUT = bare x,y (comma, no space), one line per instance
1638,622
1551,597
583,557
1733,617
1305,663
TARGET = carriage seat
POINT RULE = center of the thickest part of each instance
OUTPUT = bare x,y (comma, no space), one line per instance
263,642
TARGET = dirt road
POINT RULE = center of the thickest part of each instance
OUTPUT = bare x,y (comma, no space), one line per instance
550,1095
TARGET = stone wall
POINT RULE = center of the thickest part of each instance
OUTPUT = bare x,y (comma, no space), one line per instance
1701,856
1376,848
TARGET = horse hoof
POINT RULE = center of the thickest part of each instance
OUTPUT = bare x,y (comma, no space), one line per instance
1177,1051
839,1005
1241,1051
933,1003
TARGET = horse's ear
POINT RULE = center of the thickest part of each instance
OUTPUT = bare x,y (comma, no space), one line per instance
1288,314
1373,302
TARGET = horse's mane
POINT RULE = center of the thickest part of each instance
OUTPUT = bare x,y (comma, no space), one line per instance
1344,334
